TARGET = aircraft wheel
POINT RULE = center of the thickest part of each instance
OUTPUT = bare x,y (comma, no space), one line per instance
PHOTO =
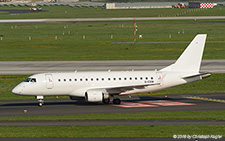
116,101
40,104
106,101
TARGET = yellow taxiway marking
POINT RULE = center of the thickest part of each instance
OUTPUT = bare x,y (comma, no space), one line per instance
205,99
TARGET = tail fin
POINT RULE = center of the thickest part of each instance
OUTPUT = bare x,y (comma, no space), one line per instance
190,59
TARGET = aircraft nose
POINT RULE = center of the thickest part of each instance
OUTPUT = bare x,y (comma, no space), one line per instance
17,90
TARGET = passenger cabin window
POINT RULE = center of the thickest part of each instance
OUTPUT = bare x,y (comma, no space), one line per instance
59,80
64,80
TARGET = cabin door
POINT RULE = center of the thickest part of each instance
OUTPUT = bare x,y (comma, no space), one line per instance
49,81
159,77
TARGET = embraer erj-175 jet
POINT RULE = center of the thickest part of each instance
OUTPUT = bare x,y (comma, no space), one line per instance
102,86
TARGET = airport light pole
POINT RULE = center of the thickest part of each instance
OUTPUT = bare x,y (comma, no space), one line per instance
135,30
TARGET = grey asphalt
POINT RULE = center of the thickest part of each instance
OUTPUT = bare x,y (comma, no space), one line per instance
69,107
32,67
66,107
13,11
109,19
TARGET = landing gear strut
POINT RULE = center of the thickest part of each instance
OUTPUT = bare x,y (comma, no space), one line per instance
106,101
116,101
40,100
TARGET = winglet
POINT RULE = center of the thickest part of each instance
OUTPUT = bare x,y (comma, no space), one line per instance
190,59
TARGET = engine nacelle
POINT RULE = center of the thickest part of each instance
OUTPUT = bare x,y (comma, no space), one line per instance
94,96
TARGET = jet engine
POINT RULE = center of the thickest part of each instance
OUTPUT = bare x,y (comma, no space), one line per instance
95,96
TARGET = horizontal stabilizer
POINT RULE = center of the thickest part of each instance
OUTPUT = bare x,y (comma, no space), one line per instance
203,75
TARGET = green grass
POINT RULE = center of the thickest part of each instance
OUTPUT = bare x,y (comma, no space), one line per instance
209,85
182,115
112,131
68,12
7,83
98,44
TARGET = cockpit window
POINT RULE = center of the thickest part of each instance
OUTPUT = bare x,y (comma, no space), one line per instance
30,80
27,80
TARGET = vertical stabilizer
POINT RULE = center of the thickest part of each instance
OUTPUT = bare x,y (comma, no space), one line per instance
190,59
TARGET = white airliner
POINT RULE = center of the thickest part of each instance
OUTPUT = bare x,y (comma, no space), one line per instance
102,86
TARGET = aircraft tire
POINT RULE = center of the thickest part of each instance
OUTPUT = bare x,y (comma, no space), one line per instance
116,101
40,104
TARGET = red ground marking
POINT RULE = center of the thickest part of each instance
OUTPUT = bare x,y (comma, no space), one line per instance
133,105
151,104
166,103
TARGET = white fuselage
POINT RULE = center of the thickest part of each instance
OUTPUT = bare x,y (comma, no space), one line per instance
77,83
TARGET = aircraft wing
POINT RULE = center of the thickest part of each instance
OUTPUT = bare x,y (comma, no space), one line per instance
122,89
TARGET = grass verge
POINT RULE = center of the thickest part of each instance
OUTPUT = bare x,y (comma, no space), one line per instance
183,115
112,131
96,40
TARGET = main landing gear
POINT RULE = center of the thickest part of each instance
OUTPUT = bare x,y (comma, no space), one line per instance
116,101
40,100
106,101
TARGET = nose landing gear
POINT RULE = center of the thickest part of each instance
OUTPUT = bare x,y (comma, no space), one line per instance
40,100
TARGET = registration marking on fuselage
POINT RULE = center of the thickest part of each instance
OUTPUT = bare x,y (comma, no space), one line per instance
157,103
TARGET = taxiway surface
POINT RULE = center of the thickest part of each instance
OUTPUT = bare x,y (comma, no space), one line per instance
136,104
31,67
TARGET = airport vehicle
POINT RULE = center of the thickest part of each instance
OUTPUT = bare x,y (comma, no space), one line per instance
35,9
180,5
102,86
